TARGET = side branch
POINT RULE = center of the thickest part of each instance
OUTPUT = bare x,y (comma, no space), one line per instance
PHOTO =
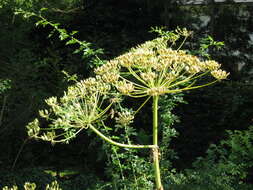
119,144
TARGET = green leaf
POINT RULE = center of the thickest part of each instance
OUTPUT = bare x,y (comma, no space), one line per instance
43,9
72,41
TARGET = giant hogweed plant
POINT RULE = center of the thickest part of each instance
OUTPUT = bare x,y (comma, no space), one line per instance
150,70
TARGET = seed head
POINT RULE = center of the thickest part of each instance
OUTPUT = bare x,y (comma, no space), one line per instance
220,74
125,118
125,87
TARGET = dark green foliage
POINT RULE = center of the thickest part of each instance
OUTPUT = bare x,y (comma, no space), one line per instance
227,166
226,106
67,180
20,177
168,132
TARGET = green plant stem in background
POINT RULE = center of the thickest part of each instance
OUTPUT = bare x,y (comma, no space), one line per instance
155,142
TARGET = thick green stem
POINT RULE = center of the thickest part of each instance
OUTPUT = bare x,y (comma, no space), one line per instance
155,142
119,144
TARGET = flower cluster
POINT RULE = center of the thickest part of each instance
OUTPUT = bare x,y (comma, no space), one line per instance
125,118
125,87
80,106
153,69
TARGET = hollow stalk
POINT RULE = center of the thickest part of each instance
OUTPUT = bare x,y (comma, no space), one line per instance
155,142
